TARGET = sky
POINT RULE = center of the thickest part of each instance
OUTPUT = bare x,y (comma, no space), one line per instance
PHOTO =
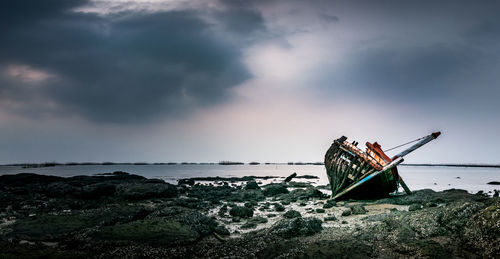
242,80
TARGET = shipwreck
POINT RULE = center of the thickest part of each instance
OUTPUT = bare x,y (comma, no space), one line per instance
371,174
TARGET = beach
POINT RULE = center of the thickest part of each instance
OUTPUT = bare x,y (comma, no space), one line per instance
119,215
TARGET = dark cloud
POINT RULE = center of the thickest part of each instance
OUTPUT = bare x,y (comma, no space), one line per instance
242,20
328,18
408,74
126,67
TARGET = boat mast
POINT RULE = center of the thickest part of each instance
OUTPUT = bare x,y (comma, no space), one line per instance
424,141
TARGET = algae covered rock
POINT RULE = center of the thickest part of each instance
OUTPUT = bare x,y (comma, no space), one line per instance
97,190
252,185
165,226
329,204
292,214
275,189
138,191
414,207
278,207
346,213
358,210
242,212
253,222
288,228
161,231
482,231
320,210
330,218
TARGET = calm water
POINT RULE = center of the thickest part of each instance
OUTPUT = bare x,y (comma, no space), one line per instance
416,177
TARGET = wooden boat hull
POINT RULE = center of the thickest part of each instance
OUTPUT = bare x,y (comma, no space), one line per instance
347,165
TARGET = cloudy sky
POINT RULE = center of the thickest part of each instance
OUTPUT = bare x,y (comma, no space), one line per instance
211,80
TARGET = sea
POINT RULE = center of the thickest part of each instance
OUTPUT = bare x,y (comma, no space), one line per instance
438,178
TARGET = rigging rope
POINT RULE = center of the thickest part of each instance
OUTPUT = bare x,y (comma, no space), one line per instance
404,144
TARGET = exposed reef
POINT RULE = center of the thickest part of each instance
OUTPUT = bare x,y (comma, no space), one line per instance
122,215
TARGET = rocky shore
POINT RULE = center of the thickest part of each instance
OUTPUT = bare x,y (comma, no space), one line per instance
121,215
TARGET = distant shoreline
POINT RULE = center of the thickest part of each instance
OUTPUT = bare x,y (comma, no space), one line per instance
52,164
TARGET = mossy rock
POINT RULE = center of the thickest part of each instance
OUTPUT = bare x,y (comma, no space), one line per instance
482,231
139,191
347,212
358,210
275,189
55,227
278,207
288,228
160,231
51,227
258,220
252,185
329,204
242,212
330,218
292,214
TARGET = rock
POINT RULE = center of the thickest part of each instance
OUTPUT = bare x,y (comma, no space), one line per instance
246,195
222,211
482,231
253,222
431,204
290,177
242,212
161,231
455,216
329,204
250,204
258,220
249,225
346,212
275,189
285,202
319,210
292,214
252,185
414,207
422,223
187,181
330,218
494,183
97,190
358,210
140,191
278,207
299,184
221,230
307,177
288,228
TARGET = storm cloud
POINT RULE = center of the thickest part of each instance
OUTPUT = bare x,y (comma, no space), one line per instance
266,80
132,66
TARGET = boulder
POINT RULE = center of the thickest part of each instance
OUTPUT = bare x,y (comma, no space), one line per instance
252,185
140,191
292,214
288,228
242,212
275,189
